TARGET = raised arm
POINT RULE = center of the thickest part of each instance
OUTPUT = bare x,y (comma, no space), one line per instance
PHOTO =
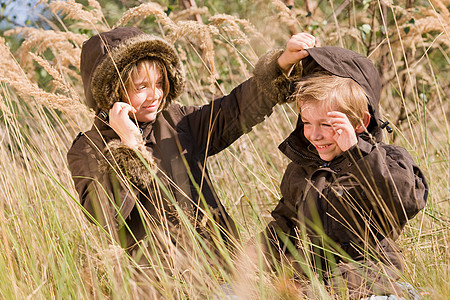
216,125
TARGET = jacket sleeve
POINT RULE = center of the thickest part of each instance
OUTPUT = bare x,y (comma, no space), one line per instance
284,216
217,125
394,186
101,192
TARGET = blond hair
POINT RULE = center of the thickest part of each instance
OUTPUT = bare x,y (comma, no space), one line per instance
333,91
148,65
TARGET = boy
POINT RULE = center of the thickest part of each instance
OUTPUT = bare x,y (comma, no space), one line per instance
346,194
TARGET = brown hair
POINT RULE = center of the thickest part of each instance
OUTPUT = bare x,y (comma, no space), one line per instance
331,90
148,65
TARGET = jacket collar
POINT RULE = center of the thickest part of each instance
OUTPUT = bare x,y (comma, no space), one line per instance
297,148
148,132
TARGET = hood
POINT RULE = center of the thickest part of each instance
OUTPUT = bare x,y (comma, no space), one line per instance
344,63
349,64
106,56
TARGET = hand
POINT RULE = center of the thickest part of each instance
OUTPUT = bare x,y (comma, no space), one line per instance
120,121
295,50
345,134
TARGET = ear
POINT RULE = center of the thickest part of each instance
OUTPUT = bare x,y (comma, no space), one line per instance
365,122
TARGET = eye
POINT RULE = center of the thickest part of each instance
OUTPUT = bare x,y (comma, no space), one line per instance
325,125
141,87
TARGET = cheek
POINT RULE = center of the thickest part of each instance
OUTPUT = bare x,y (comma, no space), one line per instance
328,132
307,132
135,100
159,93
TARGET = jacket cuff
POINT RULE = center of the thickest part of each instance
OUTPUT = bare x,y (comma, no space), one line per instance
272,81
126,161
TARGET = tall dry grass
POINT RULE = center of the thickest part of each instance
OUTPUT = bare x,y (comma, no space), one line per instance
49,249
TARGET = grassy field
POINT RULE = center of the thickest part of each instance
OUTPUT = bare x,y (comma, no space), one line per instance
49,250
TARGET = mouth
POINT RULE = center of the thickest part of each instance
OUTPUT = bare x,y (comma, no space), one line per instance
322,147
152,106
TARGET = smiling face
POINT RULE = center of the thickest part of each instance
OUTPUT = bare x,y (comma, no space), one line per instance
323,92
318,131
146,90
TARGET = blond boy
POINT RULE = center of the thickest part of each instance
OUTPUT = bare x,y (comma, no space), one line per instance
346,195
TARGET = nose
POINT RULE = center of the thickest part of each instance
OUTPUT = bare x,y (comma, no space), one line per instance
316,133
154,94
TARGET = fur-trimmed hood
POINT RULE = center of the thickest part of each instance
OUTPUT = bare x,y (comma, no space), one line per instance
343,63
106,57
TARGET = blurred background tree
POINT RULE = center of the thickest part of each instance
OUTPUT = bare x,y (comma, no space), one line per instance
23,13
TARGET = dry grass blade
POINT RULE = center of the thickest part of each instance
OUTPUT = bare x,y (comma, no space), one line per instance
92,19
286,16
230,25
144,10
12,74
199,34
58,82
187,13
65,45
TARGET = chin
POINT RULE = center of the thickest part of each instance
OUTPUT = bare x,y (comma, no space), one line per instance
147,118
327,158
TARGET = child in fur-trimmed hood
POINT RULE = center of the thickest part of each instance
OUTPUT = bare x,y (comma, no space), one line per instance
346,194
144,158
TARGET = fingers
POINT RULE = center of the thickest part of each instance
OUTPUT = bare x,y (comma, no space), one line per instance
303,41
340,123
338,118
337,114
120,121
302,54
345,132
297,45
121,109
295,51
119,118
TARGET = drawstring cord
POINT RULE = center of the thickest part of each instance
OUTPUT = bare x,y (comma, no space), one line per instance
385,124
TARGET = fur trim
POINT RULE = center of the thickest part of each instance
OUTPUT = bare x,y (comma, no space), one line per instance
127,160
271,80
106,80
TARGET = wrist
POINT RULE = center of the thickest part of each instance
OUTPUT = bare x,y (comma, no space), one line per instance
133,141
284,64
